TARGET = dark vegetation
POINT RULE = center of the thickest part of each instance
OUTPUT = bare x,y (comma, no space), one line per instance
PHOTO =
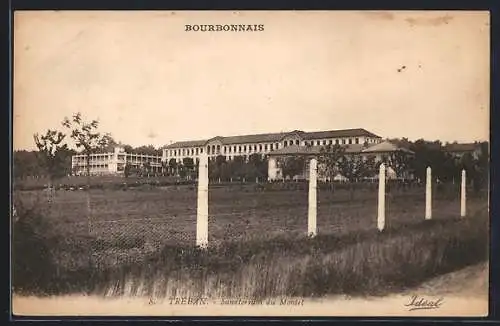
348,256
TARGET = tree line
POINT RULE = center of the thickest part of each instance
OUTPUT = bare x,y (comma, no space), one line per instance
53,159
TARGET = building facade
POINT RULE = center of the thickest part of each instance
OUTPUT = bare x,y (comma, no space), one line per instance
265,144
379,151
114,162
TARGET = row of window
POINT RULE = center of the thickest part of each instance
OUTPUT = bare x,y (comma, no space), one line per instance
216,149
121,158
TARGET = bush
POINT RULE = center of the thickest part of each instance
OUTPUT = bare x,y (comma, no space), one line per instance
33,265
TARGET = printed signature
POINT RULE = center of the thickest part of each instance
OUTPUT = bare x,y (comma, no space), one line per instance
421,303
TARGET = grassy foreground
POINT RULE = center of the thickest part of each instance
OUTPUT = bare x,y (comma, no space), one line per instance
357,263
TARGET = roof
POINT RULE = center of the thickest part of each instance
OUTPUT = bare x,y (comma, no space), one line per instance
259,138
465,147
385,147
358,132
276,137
188,143
314,150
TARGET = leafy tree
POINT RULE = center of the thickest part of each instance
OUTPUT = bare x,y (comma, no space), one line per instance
400,162
328,160
49,153
127,170
237,167
146,150
86,136
483,167
172,164
147,168
354,168
215,167
257,167
291,165
188,163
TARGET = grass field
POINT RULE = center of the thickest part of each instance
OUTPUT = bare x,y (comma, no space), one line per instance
255,230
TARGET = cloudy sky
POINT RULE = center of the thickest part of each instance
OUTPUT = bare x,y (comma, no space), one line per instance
397,74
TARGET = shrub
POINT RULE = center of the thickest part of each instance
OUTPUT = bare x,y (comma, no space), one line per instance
33,265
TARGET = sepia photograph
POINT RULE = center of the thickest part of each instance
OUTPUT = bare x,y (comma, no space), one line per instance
250,163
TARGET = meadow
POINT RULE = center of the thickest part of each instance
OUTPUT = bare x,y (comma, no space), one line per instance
142,239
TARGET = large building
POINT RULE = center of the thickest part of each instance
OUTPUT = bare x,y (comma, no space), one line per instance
114,162
264,144
271,145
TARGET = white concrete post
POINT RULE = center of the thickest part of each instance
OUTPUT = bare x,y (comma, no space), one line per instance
381,198
462,196
202,207
311,222
428,194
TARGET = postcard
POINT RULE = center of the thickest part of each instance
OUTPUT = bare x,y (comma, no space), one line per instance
250,163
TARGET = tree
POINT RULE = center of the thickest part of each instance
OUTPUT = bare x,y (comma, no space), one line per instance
147,168
87,138
215,167
147,150
256,167
49,153
172,164
188,164
26,164
127,170
237,165
399,162
291,166
328,159
354,168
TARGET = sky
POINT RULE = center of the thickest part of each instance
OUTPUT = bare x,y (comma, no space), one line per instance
148,81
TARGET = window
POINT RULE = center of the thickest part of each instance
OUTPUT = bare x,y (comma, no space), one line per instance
239,149
330,142
350,141
317,143
260,147
285,143
297,142
324,142
272,146
336,141
234,149
245,148
357,140
224,149
197,151
265,147
201,150
343,141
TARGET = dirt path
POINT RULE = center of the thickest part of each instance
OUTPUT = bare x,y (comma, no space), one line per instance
461,293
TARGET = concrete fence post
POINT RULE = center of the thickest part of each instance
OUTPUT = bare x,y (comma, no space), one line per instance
428,194
312,212
202,205
463,195
381,198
